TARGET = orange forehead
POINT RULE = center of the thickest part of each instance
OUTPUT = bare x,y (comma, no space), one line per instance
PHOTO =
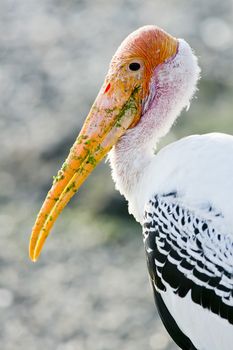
150,44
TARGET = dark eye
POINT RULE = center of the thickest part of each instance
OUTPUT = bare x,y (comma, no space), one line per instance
134,66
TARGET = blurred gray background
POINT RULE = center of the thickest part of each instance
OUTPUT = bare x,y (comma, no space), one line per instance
90,288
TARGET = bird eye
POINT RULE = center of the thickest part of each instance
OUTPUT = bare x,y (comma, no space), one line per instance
134,66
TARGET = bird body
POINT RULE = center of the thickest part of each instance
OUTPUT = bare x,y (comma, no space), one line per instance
182,196
195,173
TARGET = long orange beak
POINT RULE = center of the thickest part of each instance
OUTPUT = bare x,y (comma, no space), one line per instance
115,109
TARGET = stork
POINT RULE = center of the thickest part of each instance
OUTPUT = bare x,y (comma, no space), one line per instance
182,196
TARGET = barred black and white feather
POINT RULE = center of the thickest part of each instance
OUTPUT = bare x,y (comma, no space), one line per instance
187,254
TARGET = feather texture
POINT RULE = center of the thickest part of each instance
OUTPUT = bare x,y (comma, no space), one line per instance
190,257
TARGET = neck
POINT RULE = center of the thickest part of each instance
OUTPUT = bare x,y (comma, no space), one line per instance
171,88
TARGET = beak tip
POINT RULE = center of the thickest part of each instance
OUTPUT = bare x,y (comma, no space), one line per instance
32,256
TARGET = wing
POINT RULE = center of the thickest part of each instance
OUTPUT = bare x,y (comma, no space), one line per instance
188,253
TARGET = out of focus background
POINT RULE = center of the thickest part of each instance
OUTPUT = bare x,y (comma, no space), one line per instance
90,288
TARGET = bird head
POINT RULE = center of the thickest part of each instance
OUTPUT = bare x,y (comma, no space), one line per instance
118,107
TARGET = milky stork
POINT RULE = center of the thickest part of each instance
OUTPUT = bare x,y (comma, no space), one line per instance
182,196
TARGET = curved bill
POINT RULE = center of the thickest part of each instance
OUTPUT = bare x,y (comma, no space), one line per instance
110,116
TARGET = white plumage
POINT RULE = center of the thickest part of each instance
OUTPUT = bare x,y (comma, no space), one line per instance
200,168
